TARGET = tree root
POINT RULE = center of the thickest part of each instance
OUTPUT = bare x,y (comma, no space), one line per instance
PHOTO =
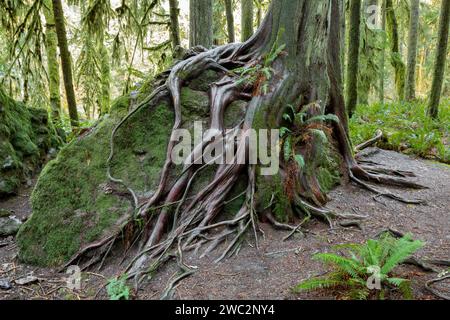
434,291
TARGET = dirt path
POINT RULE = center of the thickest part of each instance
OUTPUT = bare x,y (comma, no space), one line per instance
270,273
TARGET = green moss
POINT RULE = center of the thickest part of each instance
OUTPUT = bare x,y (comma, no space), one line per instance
26,135
72,202
202,83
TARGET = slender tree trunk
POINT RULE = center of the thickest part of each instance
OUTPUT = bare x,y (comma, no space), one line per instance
105,72
174,24
66,62
410,86
51,45
396,58
441,57
383,52
343,35
246,19
259,13
353,56
201,23
230,20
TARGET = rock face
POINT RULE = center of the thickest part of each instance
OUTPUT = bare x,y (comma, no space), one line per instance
25,138
9,224
75,204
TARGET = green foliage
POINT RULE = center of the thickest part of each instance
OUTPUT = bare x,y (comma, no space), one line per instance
406,127
117,289
353,271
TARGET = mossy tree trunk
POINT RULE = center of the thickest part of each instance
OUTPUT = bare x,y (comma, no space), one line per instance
247,9
396,57
230,21
410,86
201,23
66,62
440,62
51,45
300,43
367,75
174,24
105,73
353,56
383,53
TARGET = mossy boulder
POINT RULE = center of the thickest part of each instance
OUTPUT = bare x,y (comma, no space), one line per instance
26,136
74,203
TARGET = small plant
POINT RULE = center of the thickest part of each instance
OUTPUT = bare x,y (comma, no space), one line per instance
301,126
366,269
117,289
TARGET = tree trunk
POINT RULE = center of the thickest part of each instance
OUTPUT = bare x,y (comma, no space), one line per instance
367,74
410,86
353,56
105,73
441,57
51,45
343,36
230,21
201,23
396,57
383,52
174,24
299,42
66,62
246,19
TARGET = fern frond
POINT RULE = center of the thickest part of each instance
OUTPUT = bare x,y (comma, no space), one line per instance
316,283
403,249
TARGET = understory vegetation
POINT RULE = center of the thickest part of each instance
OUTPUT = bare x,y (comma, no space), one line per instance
406,128
366,270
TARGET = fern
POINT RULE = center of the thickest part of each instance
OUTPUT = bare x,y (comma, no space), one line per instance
352,271
117,289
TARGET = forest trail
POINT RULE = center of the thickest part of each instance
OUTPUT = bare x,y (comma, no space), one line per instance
271,272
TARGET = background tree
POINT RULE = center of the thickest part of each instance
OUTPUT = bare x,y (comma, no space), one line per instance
396,57
383,52
353,56
51,44
174,24
410,86
247,9
441,53
66,62
230,21
201,23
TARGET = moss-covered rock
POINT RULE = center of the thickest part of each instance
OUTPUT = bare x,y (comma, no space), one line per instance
74,203
26,135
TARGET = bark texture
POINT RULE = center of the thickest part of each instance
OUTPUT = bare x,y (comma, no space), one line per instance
51,46
201,23
66,62
410,86
174,24
441,54
230,21
353,56
396,57
247,9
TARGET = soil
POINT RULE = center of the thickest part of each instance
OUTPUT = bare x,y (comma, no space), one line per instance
271,271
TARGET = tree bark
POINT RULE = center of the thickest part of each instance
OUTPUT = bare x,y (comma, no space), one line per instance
105,72
174,24
440,62
230,21
353,56
396,57
410,86
383,52
51,45
201,23
66,62
246,19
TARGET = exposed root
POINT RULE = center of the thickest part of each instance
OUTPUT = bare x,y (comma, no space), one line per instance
434,291
378,136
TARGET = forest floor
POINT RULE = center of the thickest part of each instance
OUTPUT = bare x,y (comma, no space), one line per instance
271,271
